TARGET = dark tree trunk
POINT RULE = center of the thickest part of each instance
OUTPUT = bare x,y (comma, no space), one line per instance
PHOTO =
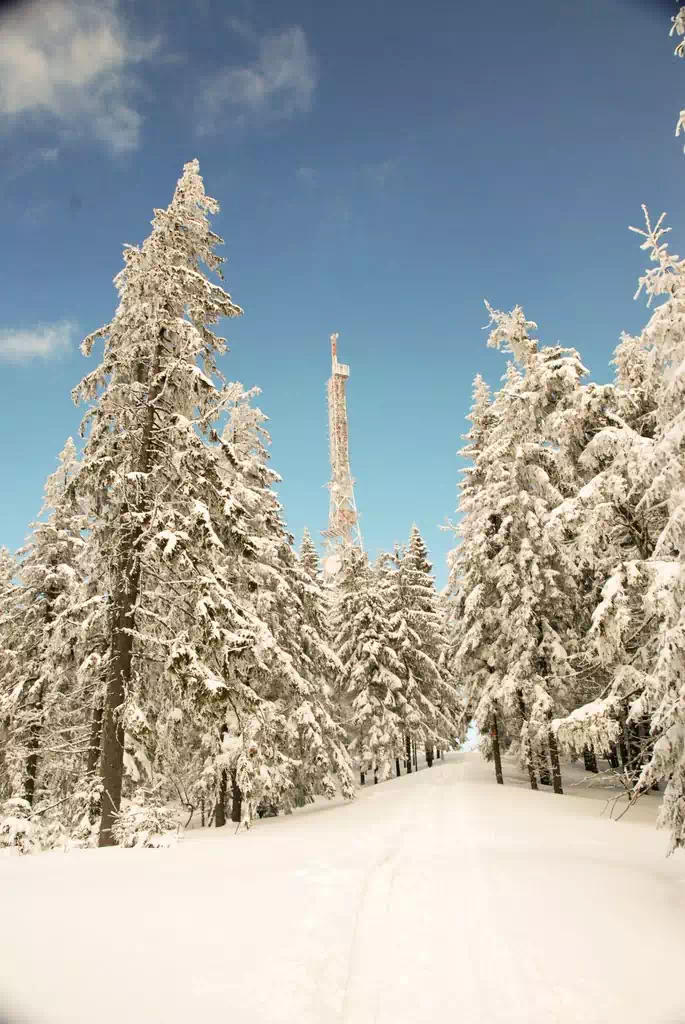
494,734
408,738
590,760
429,756
397,766
416,759
438,753
222,797
634,747
112,759
612,757
36,727
375,775
527,751
33,752
556,767
362,778
93,755
124,599
237,800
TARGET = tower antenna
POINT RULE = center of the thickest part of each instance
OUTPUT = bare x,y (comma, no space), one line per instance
343,530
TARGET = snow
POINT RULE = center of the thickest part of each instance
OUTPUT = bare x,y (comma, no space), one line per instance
436,896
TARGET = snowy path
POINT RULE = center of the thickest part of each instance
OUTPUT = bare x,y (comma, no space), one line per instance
436,894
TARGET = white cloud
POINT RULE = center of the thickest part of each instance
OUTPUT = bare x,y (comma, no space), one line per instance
72,61
279,83
42,342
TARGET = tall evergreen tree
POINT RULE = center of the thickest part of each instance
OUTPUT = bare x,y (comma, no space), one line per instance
307,752
638,628
39,702
150,473
431,704
513,560
372,677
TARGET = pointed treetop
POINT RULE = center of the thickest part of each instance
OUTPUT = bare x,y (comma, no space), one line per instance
511,333
57,483
309,556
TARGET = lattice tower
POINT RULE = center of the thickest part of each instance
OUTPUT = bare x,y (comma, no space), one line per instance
343,520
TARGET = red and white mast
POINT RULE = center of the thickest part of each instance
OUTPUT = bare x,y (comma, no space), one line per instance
343,520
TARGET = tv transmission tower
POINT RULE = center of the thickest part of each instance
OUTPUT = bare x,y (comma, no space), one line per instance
343,521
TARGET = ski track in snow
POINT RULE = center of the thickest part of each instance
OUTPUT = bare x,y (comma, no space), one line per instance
437,895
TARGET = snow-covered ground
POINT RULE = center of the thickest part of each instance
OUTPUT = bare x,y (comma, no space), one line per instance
438,896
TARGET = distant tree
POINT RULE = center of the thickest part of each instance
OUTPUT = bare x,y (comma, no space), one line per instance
373,677
431,707
39,702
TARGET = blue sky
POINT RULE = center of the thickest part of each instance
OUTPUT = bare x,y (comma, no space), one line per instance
382,168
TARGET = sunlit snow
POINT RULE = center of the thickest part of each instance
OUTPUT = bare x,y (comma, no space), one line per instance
438,896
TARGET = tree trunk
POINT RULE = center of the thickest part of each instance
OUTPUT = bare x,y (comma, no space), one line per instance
439,753
362,778
124,599
556,767
375,775
93,755
494,734
33,748
237,802
612,757
397,766
36,727
416,760
634,747
429,756
222,797
590,760
408,739
527,750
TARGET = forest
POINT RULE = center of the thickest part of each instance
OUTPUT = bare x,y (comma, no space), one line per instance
168,655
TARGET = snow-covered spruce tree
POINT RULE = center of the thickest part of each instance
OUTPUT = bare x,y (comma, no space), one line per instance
431,709
152,476
605,436
639,626
472,592
513,562
373,678
290,748
7,573
41,697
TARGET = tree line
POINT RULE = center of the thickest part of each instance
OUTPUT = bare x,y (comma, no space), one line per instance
567,582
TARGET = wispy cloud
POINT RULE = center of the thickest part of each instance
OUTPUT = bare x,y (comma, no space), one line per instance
72,62
46,341
280,82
